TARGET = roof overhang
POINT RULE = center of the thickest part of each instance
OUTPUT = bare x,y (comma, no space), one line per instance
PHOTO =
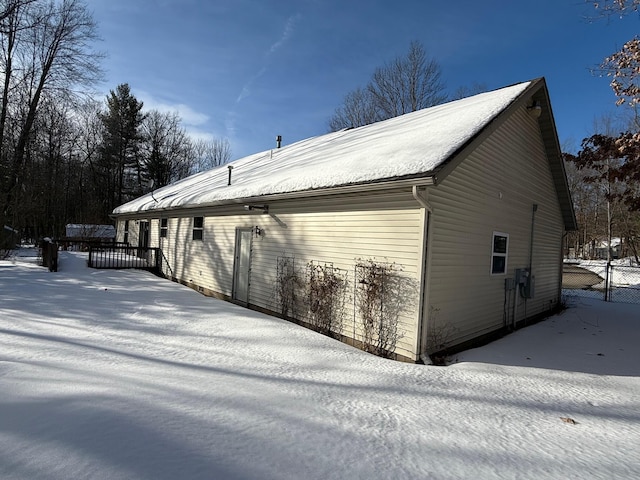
407,182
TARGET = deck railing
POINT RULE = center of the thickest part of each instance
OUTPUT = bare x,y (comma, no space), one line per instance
117,256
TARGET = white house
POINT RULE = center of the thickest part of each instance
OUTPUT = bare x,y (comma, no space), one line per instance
468,200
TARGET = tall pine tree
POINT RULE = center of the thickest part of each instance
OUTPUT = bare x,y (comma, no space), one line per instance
120,168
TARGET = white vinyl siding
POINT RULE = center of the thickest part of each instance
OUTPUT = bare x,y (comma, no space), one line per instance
493,190
336,231
164,222
133,232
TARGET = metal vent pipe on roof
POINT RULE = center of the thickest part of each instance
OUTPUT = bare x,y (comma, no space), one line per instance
230,167
278,141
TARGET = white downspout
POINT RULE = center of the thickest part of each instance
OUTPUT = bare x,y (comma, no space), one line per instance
424,268
422,201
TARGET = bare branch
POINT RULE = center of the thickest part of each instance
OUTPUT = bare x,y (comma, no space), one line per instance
406,84
210,153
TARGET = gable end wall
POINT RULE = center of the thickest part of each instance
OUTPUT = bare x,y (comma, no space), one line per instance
493,189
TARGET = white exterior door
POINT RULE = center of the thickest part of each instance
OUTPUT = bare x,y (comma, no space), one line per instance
242,265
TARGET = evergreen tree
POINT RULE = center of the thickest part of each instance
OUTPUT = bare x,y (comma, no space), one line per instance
120,168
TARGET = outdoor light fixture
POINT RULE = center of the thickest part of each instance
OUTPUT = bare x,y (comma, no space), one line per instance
535,109
262,208
257,231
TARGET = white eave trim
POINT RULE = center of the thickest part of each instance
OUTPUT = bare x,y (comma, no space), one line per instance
320,192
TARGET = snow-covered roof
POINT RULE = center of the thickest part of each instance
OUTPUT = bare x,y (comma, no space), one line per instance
412,144
615,242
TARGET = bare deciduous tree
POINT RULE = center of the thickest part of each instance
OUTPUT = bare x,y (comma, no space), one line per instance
51,47
210,153
406,84
464,91
357,109
167,149
11,24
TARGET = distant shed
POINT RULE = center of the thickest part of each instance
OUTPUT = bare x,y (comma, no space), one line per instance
82,234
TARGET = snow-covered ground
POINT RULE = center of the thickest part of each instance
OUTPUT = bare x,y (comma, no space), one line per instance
628,271
122,375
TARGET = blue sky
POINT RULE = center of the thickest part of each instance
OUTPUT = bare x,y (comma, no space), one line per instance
248,70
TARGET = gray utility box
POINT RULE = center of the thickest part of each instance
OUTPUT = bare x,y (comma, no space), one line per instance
526,282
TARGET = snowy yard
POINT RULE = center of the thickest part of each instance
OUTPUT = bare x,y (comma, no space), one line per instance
122,375
624,280
628,272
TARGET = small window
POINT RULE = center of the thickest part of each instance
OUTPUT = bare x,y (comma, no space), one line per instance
500,248
163,227
126,232
198,223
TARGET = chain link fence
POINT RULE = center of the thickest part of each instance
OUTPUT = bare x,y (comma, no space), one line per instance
610,282
624,284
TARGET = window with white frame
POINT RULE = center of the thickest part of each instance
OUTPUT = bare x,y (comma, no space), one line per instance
163,227
499,253
198,227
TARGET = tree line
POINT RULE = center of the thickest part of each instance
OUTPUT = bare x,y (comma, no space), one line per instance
604,202
65,156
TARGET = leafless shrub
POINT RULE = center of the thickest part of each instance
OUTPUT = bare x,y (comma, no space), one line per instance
326,295
379,291
439,337
288,284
